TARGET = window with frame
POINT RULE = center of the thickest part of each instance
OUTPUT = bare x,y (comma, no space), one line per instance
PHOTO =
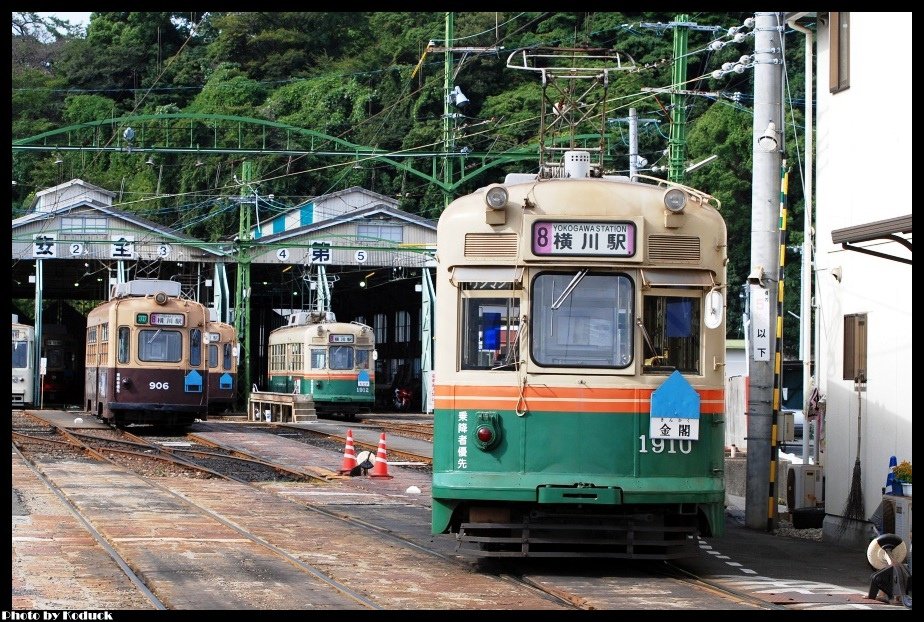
402,326
839,51
318,358
124,344
671,328
490,327
277,361
295,357
229,352
20,354
213,356
84,224
195,347
580,319
341,357
160,345
855,347
391,233
380,322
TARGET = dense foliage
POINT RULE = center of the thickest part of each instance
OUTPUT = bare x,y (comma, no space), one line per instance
363,77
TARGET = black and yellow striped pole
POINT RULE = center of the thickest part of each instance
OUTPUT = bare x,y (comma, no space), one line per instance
778,356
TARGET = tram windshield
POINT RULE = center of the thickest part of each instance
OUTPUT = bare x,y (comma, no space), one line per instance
341,357
159,345
582,320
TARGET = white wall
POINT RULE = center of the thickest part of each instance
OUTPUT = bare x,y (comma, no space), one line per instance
864,168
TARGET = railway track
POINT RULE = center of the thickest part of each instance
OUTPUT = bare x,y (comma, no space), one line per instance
326,524
422,431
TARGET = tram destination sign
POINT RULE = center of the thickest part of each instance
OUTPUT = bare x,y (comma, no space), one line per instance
167,319
582,238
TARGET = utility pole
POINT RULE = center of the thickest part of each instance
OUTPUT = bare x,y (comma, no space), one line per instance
449,93
761,489
678,137
678,133
242,292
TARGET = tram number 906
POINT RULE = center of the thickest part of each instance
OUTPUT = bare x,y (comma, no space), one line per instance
658,445
159,386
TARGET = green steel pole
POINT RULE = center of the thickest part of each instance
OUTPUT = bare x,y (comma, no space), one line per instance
242,293
677,143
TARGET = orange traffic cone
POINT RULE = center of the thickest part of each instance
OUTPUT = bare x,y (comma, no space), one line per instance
349,455
380,469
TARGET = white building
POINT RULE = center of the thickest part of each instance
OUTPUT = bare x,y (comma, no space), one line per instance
863,273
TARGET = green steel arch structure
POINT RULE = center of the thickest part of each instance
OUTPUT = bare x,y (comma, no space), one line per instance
194,133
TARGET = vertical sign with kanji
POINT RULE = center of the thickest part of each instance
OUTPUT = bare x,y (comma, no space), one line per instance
760,323
462,439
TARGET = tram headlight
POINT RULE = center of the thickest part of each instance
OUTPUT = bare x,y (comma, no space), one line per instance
496,196
675,200
495,199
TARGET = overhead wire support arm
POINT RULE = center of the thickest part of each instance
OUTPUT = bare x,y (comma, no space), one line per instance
568,111
670,91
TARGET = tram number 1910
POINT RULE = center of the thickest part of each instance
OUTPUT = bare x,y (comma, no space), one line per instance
658,445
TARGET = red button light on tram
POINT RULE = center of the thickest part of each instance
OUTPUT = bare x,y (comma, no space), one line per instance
485,434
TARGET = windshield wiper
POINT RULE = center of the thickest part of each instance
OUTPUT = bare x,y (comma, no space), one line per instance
574,283
645,334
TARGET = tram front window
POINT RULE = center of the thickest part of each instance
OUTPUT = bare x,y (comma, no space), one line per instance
160,346
582,320
341,357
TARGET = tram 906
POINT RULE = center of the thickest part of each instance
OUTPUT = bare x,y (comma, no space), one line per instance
579,393
23,363
145,356
331,361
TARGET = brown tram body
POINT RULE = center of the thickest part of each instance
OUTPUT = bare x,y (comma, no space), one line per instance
146,356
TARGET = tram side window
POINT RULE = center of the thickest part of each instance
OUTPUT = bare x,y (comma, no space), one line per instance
213,356
160,346
490,331
362,359
341,357
582,320
226,362
672,334
318,358
124,343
